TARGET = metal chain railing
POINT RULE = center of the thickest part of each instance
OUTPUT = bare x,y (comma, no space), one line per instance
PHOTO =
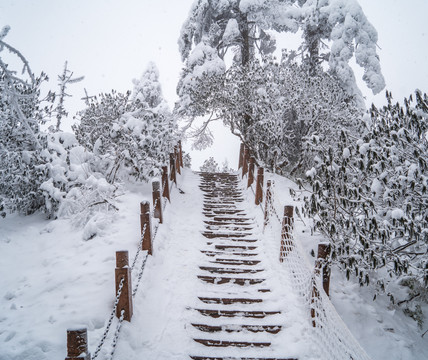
140,275
116,335
119,292
140,247
107,329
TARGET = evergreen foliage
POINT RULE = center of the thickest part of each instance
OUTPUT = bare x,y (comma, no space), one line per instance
369,196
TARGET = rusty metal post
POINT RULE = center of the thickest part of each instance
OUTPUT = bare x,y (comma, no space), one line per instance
241,156
123,271
77,344
172,172
245,161
165,183
287,228
251,171
259,185
146,226
177,160
323,258
267,202
157,201
180,153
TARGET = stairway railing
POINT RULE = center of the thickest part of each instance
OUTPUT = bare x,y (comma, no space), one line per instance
333,339
77,338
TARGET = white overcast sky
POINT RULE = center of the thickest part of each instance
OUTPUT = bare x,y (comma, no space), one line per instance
110,42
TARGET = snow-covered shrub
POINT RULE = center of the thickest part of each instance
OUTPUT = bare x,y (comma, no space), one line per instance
21,141
369,196
74,188
210,165
187,160
131,137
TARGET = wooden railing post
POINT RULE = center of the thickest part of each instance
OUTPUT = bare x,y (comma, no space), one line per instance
77,344
241,156
251,171
268,200
123,271
157,201
146,226
165,183
180,152
259,185
286,234
323,255
172,172
177,160
245,161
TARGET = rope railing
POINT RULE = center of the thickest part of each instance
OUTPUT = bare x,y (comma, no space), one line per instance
77,345
332,337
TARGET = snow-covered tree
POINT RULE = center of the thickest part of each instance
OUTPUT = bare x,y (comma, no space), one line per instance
132,137
210,165
21,141
344,24
246,28
285,106
369,196
215,28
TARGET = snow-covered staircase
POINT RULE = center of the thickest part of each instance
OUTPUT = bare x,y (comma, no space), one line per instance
234,318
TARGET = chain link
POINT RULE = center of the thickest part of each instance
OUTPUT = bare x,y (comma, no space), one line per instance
139,247
140,275
116,335
104,337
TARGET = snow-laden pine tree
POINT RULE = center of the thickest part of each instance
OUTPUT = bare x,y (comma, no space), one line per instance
132,135
343,24
21,142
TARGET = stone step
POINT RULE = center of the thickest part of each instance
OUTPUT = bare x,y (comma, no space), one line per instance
241,240
235,247
233,220
272,329
218,270
223,211
222,343
229,301
213,253
225,280
213,235
236,313
235,262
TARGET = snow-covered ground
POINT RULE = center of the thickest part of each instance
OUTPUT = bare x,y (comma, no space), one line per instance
51,280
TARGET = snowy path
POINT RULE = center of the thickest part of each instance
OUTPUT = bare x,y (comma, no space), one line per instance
209,292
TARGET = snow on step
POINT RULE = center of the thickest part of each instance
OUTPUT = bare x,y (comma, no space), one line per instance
234,317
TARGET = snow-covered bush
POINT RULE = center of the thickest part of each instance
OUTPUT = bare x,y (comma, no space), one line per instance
21,141
187,160
210,165
369,196
131,137
74,188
